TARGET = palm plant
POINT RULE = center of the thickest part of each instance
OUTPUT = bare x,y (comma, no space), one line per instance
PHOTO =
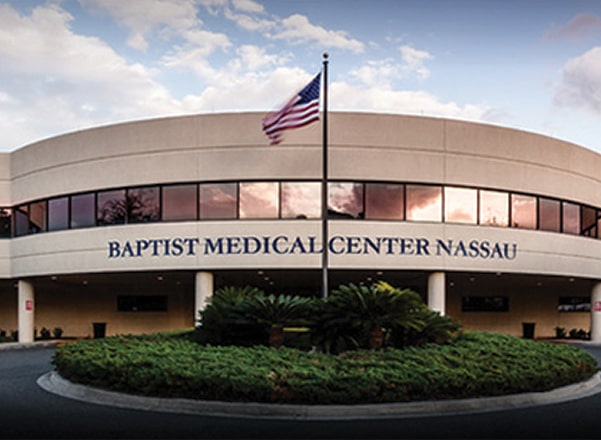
353,314
274,312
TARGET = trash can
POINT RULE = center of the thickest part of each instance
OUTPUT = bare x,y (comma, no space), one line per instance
528,330
99,329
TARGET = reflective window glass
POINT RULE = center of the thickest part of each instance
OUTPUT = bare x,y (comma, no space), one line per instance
58,214
143,204
21,214
589,222
571,218
424,203
384,201
259,200
523,211
37,217
83,210
460,205
179,202
494,208
111,207
345,200
301,199
5,223
218,201
549,215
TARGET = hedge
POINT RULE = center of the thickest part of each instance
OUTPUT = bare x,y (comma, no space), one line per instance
477,364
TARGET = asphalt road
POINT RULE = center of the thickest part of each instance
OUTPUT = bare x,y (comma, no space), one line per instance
26,411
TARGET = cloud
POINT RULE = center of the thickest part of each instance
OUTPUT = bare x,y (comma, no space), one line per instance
65,81
248,6
145,17
414,60
580,85
580,27
298,29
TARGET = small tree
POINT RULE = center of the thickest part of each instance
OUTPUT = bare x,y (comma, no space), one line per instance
275,312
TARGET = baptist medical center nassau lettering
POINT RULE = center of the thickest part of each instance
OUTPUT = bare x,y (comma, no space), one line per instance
178,247
135,225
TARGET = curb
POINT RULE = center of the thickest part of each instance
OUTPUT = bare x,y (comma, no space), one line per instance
5,346
54,383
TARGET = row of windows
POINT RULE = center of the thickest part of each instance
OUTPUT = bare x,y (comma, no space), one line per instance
300,200
501,304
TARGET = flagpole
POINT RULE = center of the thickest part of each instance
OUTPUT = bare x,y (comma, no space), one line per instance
324,185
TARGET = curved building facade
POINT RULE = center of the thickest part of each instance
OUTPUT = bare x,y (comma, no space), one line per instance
134,225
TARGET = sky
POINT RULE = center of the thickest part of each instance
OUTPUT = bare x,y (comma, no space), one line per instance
67,65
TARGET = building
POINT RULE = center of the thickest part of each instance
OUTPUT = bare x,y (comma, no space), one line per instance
135,224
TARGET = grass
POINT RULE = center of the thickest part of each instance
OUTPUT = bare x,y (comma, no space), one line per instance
172,365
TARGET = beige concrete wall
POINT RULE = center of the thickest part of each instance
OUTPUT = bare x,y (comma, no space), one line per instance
74,309
538,306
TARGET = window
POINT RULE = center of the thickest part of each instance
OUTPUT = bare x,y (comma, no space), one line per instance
142,303
301,199
58,214
549,215
523,211
460,205
574,304
484,304
259,200
494,208
384,201
37,217
21,215
218,201
111,207
424,203
143,204
345,200
179,202
571,218
5,223
83,210
589,222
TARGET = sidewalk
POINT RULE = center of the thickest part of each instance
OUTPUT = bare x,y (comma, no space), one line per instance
28,345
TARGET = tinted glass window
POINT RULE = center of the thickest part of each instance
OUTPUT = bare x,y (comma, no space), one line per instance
460,205
21,214
5,223
58,214
83,210
523,211
37,217
494,208
571,218
218,201
549,215
424,203
111,207
345,200
301,199
259,200
589,222
179,202
384,201
143,205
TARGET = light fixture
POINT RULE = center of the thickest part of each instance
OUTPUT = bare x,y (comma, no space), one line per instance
160,278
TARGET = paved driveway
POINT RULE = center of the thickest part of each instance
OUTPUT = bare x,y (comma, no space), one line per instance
26,411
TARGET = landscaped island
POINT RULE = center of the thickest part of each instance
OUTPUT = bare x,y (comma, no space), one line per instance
364,344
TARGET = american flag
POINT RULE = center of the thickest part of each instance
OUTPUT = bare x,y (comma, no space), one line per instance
301,110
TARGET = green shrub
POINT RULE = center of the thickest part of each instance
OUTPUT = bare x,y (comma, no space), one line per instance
475,364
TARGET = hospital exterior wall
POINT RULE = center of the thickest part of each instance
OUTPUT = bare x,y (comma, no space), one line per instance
363,147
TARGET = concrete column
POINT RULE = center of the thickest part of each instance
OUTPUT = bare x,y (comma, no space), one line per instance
26,314
596,313
203,290
436,292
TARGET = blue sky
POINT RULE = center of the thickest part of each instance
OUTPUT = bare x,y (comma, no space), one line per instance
72,64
